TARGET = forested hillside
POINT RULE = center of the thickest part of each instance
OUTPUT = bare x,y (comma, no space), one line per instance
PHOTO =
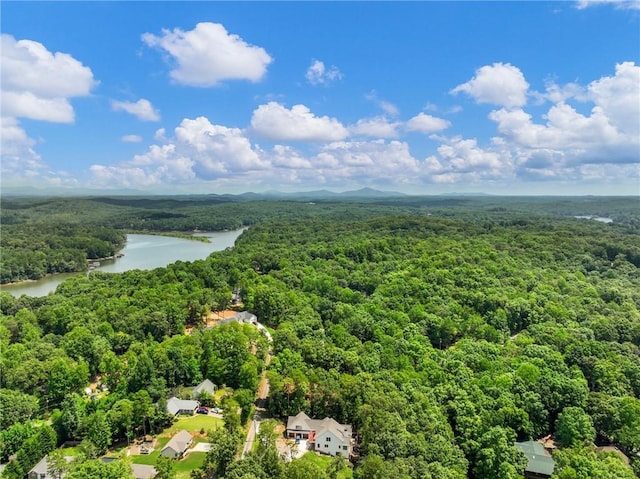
442,334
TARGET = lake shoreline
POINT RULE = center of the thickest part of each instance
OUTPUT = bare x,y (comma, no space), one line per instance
133,256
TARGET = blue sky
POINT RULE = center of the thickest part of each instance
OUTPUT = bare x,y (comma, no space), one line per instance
419,97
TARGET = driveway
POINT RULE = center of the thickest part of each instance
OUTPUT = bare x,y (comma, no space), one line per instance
201,447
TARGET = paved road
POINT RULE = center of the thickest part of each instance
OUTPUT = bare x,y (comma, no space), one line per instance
261,399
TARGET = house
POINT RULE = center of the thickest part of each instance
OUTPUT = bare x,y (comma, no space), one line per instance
177,406
540,464
177,445
205,386
41,470
142,471
326,436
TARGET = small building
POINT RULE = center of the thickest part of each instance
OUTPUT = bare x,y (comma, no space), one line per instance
143,471
540,463
205,386
177,445
177,406
326,436
41,470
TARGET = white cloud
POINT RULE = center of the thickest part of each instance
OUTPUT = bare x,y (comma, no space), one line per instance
198,151
209,55
160,134
317,74
499,84
131,138
459,156
618,97
367,162
623,4
38,84
376,127
18,156
609,134
427,124
141,109
275,122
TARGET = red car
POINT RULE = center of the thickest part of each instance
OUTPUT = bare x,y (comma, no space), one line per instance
203,410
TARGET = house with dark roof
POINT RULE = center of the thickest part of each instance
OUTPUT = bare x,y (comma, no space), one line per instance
540,464
326,436
177,445
177,406
205,386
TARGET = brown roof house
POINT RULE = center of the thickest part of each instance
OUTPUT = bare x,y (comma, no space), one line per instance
326,436
540,463
177,445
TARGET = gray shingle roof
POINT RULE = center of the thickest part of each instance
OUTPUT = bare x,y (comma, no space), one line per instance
174,405
205,386
179,442
341,431
142,471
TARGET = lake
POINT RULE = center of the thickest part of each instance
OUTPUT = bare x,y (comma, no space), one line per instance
140,252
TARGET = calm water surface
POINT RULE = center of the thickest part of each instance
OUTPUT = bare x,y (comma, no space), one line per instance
140,252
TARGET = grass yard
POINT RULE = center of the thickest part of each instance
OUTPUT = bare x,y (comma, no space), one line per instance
150,459
194,424
193,461
323,462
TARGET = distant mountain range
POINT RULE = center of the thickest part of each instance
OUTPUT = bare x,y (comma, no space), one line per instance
318,194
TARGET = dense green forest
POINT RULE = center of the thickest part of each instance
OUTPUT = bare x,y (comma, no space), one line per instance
442,329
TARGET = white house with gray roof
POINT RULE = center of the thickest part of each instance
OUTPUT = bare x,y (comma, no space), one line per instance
142,471
177,406
177,445
41,470
205,386
326,436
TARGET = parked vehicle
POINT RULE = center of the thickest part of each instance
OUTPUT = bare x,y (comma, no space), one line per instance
203,410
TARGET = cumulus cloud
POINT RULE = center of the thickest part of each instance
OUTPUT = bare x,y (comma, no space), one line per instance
276,122
38,84
499,84
209,55
318,74
424,123
199,150
610,133
376,127
142,109
131,138
460,159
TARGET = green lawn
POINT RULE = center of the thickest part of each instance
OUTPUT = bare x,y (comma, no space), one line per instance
323,462
150,459
193,461
194,424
